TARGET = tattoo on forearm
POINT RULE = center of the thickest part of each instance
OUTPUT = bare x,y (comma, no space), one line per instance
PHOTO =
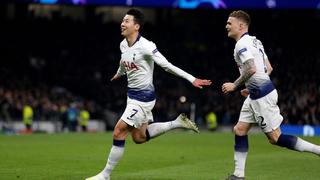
248,70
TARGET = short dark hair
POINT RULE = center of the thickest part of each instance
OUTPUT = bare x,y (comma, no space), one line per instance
241,15
138,16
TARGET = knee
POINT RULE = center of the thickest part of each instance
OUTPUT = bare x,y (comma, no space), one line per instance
273,140
274,136
240,131
118,134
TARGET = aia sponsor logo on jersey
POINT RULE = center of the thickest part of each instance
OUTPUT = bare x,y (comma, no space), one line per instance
130,66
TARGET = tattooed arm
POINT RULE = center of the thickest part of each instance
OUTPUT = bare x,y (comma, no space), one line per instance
245,92
249,69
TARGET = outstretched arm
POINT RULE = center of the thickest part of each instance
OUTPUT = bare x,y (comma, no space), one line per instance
167,66
201,82
249,69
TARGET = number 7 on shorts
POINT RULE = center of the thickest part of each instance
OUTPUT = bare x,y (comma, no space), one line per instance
134,113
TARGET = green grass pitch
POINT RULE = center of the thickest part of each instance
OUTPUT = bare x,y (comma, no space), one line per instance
179,155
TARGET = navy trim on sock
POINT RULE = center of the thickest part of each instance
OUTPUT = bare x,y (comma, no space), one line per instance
241,143
119,143
148,135
287,141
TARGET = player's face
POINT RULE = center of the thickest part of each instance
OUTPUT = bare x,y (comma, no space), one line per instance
233,27
128,26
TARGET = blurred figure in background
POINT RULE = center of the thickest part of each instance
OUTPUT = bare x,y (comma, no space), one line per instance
211,120
84,117
72,115
63,117
27,118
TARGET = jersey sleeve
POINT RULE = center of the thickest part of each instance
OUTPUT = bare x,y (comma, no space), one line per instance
121,70
243,51
166,65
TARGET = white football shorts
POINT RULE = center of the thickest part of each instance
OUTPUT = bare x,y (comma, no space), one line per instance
137,112
263,111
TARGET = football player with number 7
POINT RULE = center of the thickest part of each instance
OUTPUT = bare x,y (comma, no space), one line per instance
137,62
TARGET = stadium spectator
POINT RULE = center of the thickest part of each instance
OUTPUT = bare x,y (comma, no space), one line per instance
49,68
72,116
63,117
84,117
27,118
211,120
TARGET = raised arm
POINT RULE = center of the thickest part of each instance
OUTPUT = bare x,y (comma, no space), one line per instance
167,66
199,83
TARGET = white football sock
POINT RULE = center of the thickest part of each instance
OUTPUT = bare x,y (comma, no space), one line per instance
306,146
156,129
115,155
240,163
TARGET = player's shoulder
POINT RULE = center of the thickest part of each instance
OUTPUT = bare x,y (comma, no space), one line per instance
245,41
259,43
148,45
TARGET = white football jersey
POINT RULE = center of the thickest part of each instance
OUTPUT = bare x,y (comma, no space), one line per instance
138,60
249,47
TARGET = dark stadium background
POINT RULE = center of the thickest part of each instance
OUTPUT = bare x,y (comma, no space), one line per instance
55,55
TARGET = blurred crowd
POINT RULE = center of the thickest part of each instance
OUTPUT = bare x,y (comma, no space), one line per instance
60,63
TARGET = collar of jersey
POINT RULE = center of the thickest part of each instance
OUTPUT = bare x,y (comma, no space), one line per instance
138,38
246,33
